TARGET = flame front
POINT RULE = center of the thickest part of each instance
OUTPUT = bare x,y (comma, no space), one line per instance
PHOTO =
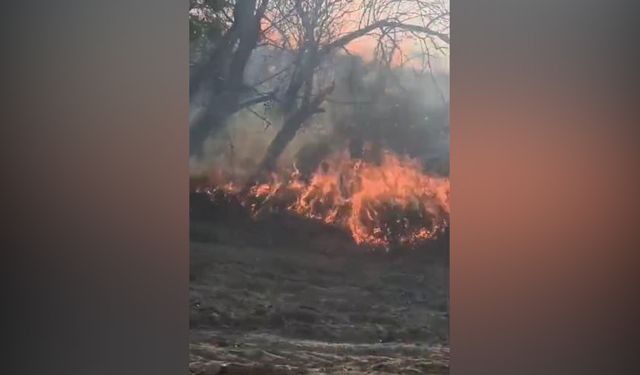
379,204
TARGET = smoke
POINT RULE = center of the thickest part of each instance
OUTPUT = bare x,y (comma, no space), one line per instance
396,109
240,146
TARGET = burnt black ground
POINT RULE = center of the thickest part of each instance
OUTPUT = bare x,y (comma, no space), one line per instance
284,295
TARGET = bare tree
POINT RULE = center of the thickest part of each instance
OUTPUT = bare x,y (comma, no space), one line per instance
316,29
217,82
311,32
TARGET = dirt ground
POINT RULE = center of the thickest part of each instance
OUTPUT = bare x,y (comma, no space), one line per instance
289,296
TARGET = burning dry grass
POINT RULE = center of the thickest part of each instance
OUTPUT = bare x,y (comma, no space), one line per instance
381,203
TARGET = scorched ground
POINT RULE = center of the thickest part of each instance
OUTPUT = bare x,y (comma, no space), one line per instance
285,294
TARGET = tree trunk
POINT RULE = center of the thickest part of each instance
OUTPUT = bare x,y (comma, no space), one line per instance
214,117
282,139
288,131
226,69
216,114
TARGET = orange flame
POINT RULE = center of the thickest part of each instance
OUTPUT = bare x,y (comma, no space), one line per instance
379,204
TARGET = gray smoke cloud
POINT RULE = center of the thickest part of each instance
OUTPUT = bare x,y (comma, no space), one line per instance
404,111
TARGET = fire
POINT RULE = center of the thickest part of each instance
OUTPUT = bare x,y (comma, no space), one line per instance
380,204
